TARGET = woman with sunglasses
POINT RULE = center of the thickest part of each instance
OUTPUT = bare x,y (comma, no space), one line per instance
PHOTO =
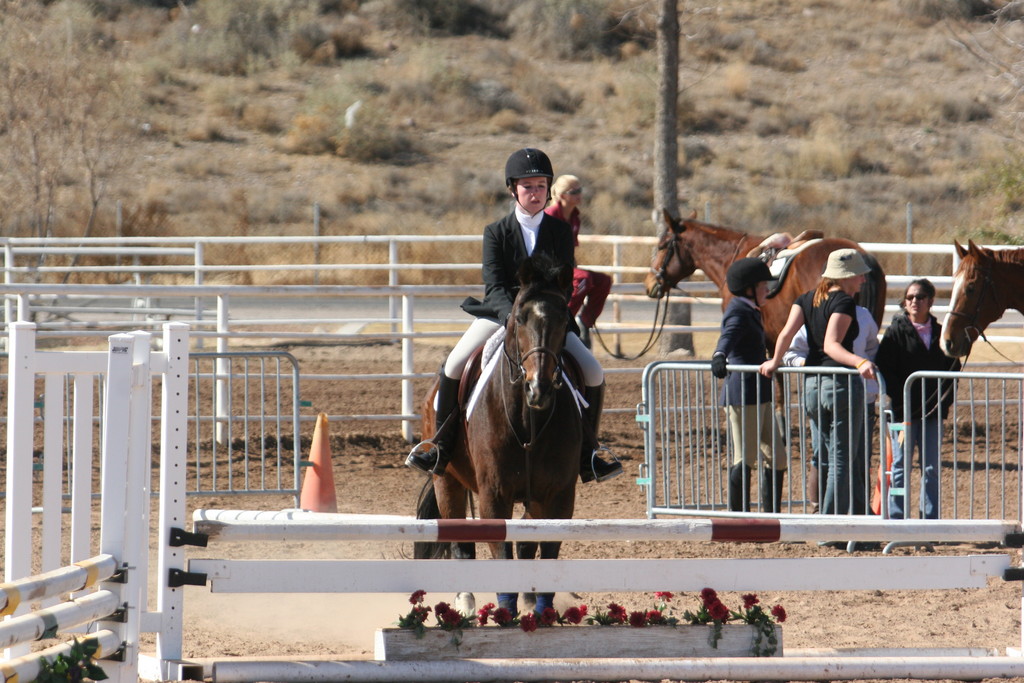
589,288
909,345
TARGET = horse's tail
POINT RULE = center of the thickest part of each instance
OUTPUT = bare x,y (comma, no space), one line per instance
427,508
873,291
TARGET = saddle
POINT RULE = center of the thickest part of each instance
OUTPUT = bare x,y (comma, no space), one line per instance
778,250
474,368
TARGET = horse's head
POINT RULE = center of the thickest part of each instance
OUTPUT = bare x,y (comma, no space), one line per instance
669,263
974,302
536,330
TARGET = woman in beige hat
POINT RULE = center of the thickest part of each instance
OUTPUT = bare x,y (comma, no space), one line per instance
834,401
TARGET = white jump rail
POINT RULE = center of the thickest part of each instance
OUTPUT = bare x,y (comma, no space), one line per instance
295,525
631,575
620,575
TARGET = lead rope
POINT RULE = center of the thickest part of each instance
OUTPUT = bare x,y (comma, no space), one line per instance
652,338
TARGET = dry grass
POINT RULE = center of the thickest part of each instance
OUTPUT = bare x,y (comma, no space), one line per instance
797,115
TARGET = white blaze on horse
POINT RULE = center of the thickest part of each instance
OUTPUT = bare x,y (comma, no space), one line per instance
985,284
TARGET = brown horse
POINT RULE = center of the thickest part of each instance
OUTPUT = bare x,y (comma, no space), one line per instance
688,244
522,439
986,283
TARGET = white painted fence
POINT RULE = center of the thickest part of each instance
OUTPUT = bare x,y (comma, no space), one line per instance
36,533
232,313
124,534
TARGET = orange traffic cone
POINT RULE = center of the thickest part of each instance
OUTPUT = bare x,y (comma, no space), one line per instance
318,492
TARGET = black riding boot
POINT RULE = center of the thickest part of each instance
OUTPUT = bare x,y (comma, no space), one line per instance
739,488
771,490
434,454
592,467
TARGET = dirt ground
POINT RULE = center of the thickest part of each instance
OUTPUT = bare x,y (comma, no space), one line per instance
370,478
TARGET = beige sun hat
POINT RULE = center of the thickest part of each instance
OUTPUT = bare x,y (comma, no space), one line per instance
843,263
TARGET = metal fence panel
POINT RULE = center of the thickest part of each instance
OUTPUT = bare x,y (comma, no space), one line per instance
243,424
687,445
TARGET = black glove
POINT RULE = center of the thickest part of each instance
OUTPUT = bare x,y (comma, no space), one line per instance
718,366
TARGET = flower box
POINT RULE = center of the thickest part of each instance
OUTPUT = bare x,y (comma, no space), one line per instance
569,642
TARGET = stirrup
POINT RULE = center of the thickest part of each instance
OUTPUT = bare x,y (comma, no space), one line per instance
609,470
419,457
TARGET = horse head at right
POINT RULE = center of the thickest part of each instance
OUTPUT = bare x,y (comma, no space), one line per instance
973,303
669,263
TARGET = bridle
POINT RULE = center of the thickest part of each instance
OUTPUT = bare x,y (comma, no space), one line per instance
972,322
660,310
515,370
670,245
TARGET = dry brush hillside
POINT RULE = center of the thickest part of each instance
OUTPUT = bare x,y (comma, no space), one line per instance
229,117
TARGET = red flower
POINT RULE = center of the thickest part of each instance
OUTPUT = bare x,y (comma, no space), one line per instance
708,596
655,617
574,615
749,600
451,618
637,619
664,595
502,617
718,611
484,613
779,612
549,617
417,597
420,613
617,612
441,608
528,622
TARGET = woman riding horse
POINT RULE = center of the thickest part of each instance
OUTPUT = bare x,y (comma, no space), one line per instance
507,243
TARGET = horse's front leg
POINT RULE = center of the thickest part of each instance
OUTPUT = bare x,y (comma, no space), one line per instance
452,497
510,601
561,507
465,602
496,504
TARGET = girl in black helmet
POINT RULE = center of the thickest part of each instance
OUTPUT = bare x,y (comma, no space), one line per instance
747,397
507,243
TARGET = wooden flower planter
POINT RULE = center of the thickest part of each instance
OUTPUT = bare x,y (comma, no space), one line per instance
569,642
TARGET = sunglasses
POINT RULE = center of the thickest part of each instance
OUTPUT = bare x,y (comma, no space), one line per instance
917,297
575,191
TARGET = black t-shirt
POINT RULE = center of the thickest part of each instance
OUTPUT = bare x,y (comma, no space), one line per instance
816,321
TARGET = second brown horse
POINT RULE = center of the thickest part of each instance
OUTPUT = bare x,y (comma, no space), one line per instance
688,244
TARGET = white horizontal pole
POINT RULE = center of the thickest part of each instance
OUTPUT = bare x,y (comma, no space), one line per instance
291,525
35,625
27,668
84,574
618,575
703,669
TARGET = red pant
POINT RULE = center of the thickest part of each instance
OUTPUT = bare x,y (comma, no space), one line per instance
594,288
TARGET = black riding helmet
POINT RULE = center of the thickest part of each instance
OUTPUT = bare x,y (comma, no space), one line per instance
527,163
744,274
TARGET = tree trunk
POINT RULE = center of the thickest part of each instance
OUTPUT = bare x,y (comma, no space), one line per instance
666,151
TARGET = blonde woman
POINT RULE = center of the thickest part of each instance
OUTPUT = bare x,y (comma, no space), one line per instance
589,288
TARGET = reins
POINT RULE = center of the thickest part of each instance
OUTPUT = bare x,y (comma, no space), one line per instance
652,338
672,247
527,445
